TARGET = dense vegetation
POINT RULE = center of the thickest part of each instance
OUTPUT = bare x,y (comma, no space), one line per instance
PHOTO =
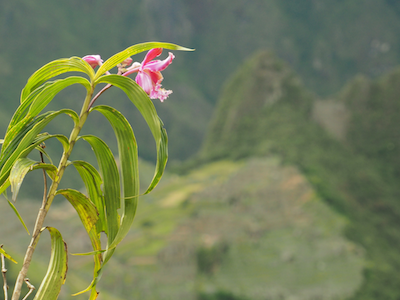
358,176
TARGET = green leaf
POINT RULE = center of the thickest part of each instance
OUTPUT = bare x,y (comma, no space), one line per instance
92,180
49,92
112,198
18,216
24,165
45,93
57,270
15,133
87,213
6,255
132,50
89,217
128,155
88,253
40,148
146,107
3,190
55,68
111,183
22,109
4,187
21,146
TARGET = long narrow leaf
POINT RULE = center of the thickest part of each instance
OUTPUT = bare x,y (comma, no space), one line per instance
3,190
18,216
88,215
25,145
92,180
109,172
49,92
128,155
6,255
146,107
135,49
21,167
4,187
15,135
16,132
22,109
57,270
162,157
55,68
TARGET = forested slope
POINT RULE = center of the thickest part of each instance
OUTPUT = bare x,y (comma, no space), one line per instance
265,109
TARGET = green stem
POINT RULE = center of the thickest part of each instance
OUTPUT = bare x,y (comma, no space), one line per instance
52,192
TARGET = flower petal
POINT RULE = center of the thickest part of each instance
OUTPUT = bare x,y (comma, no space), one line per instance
153,53
156,77
144,80
160,93
160,65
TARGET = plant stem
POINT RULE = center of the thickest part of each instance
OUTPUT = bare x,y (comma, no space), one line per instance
30,287
50,196
4,271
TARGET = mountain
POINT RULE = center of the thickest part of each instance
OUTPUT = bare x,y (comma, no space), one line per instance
345,146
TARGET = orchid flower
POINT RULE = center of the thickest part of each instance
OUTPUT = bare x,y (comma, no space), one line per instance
149,75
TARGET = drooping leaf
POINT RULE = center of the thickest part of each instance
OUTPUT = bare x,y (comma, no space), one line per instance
18,216
92,180
146,107
4,186
111,183
55,68
3,191
89,217
128,155
112,199
6,255
40,148
57,270
132,50
162,157
87,213
24,165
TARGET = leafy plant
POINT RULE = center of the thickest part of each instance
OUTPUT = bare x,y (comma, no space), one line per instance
112,192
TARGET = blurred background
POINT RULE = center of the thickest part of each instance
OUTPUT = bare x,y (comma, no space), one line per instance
284,132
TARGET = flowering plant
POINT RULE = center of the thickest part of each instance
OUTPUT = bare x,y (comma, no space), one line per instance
106,207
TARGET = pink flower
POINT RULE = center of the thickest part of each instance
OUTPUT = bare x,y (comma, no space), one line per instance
93,60
149,74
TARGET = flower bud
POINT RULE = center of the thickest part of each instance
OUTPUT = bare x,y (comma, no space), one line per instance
93,60
127,62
